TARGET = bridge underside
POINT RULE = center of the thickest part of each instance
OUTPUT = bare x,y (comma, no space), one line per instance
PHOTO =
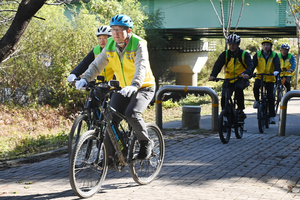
259,32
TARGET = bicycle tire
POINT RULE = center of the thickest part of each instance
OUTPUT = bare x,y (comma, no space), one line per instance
278,97
80,126
145,171
261,117
85,174
239,131
224,126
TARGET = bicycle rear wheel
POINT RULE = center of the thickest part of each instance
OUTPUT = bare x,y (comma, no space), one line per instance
88,165
224,127
144,171
80,126
262,118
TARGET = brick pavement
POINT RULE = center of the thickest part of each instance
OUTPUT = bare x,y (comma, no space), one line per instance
258,166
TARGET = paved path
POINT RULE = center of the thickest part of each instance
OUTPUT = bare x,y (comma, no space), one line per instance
196,166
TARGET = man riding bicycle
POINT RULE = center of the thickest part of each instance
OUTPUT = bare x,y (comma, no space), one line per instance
266,61
236,62
287,61
127,54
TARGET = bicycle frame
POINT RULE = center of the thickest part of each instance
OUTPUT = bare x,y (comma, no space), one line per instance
230,105
228,117
263,115
119,140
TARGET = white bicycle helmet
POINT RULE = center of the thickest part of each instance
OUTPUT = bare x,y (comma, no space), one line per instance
233,38
103,30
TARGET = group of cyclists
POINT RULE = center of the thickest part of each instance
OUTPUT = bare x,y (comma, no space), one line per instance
122,55
238,63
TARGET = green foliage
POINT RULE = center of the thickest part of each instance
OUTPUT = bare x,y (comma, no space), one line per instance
169,104
192,99
106,9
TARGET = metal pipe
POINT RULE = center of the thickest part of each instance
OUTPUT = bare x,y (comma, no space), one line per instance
194,89
283,109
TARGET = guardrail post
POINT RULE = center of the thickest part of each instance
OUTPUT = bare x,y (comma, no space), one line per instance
194,89
283,110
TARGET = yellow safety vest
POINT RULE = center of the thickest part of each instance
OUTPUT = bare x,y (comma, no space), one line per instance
285,64
108,73
234,67
265,66
125,70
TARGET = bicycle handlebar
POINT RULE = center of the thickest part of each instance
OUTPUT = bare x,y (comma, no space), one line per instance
226,79
261,74
286,70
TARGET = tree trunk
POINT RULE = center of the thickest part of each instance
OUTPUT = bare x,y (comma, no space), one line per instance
26,11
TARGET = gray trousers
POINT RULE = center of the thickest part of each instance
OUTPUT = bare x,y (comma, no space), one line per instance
132,107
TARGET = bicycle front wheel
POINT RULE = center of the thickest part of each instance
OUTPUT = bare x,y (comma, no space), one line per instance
239,130
144,171
80,126
224,127
88,165
262,118
278,96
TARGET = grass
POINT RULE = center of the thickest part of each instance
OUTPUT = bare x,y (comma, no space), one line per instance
26,131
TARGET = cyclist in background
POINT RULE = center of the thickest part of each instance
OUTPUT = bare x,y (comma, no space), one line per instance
102,33
266,61
236,62
288,61
128,55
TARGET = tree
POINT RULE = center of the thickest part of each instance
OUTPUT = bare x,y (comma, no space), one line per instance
226,31
26,10
294,9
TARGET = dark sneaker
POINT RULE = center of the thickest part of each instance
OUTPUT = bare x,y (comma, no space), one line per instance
272,120
242,115
145,150
256,104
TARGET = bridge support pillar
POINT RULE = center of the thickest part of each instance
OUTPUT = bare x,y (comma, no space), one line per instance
187,66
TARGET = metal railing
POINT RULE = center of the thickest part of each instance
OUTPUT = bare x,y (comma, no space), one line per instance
194,89
283,110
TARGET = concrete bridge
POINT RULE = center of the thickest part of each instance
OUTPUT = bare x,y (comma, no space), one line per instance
187,22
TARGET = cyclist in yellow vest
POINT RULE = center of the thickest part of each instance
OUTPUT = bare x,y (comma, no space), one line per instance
266,61
236,62
128,55
287,61
102,33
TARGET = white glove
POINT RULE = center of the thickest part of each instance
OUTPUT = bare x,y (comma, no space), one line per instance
80,85
71,78
127,91
276,73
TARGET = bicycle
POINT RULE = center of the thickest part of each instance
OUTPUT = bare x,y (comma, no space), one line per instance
228,117
90,161
279,89
88,116
263,116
